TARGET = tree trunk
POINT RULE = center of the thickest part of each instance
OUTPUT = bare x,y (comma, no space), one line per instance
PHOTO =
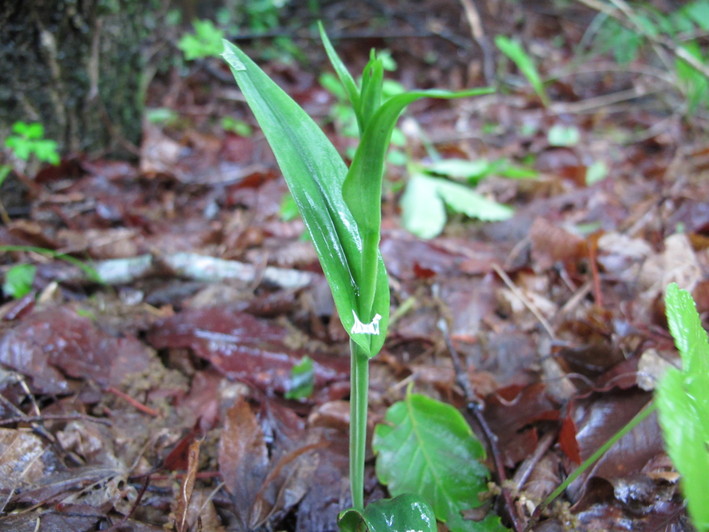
76,67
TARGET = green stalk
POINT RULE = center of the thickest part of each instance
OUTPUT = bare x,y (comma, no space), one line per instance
630,425
359,385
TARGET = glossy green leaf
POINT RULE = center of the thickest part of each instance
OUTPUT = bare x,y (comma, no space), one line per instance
315,173
426,447
683,403
405,513
524,62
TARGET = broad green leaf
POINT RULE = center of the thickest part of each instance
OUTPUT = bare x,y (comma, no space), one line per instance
462,168
699,11
683,402
524,62
18,280
405,513
426,447
315,173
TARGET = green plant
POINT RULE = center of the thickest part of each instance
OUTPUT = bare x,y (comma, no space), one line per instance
413,456
426,198
683,403
18,280
206,41
674,37
28,140
341,208
302,380
514,50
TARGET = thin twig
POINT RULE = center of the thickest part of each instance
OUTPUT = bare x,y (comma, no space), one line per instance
476,29
55,417
133,402
474,408
517,292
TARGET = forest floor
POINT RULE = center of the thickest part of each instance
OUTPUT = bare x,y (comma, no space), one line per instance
156,398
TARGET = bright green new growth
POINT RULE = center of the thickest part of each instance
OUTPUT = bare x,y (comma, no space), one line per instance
514,50
683,403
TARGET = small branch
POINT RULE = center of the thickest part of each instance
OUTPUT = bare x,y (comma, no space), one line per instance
516,291
476,29
133,402
474,408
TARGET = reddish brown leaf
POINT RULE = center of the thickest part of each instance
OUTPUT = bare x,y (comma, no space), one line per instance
243,458
567,440
52,345
182,521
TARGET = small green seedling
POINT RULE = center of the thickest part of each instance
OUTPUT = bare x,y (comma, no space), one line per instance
341,207
28,140
514,50
206,41
18,280
683,403
414,456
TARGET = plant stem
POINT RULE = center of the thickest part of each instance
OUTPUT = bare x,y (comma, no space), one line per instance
644,412
359,386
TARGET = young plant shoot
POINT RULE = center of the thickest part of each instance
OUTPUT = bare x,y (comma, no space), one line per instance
341,208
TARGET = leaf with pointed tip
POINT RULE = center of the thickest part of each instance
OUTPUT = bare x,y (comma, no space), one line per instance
315,173
683,402
362,189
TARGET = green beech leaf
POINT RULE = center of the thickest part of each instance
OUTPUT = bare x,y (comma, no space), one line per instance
683,402
426,447
315,173
405,513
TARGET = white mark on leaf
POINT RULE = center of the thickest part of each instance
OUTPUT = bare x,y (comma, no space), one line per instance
365,328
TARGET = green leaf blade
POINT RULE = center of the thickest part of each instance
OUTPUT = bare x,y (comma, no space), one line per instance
315,173
426,447
683,402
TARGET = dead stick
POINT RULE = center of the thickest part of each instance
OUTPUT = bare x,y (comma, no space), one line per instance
474,408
